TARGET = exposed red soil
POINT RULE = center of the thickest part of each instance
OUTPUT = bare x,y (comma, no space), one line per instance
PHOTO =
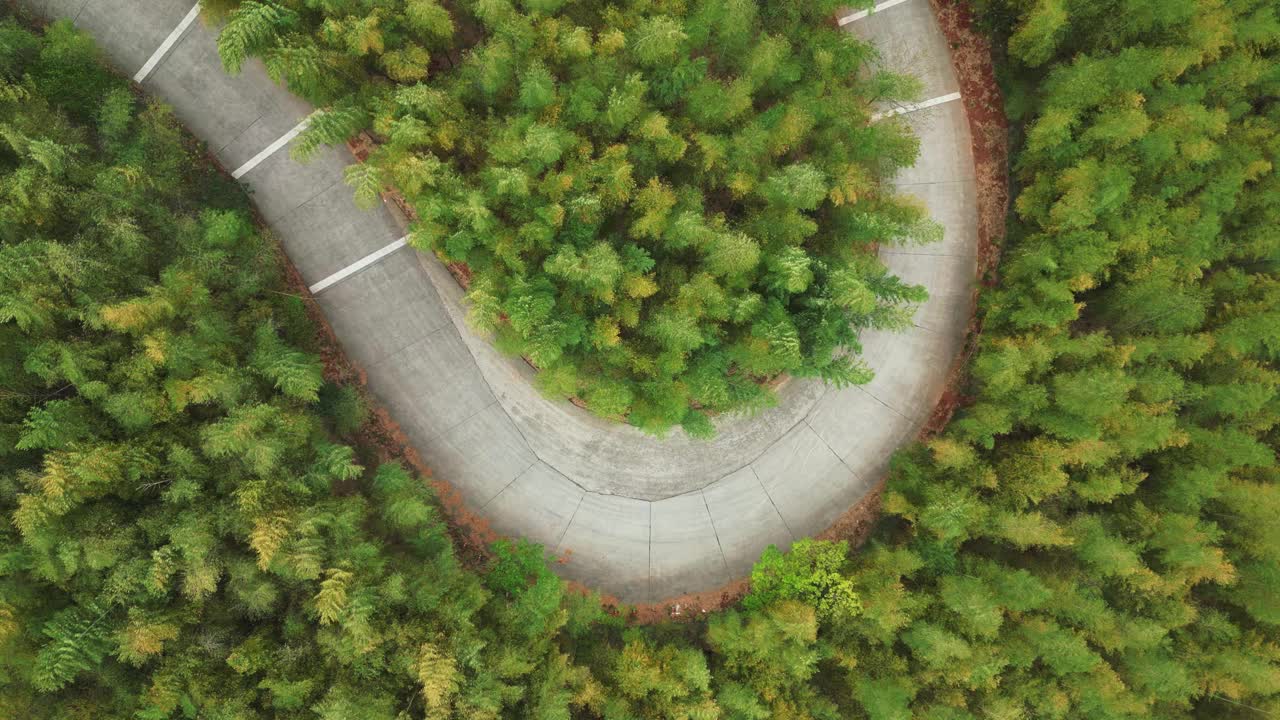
690,607
971,56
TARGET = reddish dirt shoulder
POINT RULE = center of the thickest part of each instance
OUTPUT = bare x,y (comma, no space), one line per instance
971,56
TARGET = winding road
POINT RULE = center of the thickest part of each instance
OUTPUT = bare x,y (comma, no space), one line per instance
638,517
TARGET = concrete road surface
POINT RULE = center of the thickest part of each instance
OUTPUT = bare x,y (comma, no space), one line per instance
641,518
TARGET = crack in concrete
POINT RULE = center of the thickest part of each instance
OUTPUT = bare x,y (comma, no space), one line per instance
711,519
648,584
827,445
239,135
510,482
444,433
565,531
406,346
894,409
774,504
284,217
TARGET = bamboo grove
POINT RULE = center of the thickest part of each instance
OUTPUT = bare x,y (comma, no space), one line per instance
191,530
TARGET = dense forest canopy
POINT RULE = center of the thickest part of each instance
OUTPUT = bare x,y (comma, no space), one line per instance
661,205
1096,536
188,528
185,531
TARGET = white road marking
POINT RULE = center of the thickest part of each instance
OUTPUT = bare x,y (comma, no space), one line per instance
912,107
863,13
165,46
359,265
252,162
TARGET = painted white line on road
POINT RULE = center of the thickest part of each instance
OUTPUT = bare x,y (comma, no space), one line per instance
165,46
912,107
359,265
864,13
252,162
